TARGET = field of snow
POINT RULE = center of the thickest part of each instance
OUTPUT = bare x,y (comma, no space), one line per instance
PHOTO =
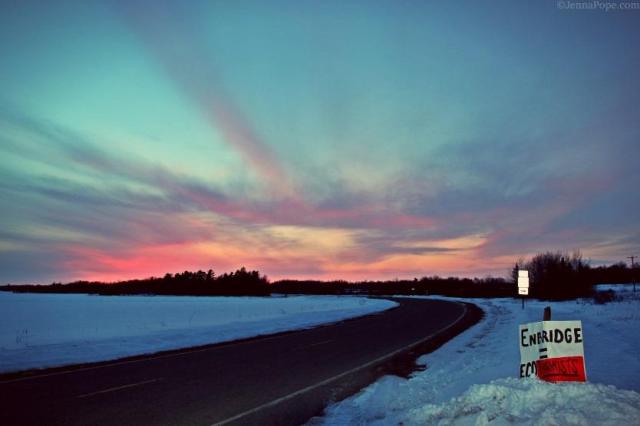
473,380
46,330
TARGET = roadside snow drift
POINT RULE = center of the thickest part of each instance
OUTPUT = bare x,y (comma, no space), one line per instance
472,380
46,330
533,402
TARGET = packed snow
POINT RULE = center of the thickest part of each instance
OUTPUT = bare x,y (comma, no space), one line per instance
47,330
473,379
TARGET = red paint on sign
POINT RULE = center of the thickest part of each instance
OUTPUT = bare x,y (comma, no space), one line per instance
565,369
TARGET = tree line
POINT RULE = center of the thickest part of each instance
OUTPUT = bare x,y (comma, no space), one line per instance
435,285
559,275
200,283
553,275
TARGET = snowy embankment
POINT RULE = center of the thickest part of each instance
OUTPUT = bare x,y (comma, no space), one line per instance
472,380
46,330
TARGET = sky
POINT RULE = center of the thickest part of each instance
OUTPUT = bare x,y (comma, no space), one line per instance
314,139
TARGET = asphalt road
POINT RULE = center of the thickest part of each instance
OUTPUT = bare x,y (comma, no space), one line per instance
279,379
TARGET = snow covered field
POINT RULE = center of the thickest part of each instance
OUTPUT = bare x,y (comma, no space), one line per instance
46,330
473,380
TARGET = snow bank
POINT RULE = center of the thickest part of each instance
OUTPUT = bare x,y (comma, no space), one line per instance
533,402
473,379
46,330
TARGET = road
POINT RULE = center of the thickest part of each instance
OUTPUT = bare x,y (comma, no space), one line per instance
280,379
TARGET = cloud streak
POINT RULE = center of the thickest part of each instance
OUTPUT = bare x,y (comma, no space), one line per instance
173,221
114,221
168,33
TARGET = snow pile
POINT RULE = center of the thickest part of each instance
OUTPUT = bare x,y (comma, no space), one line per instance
473,379
533,402
46,330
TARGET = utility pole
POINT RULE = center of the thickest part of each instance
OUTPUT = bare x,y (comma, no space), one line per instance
633,276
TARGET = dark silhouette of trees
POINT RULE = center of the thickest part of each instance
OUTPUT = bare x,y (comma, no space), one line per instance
553,275
557,275
617,273
200,283
455,287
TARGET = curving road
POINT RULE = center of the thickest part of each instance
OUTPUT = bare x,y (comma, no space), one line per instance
280,379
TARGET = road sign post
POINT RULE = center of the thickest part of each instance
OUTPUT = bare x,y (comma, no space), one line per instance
523,284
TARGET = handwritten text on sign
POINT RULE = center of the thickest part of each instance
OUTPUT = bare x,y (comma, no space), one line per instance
552,350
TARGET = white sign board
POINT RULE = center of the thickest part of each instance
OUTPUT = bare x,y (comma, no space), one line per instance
552,350
523,282
523,278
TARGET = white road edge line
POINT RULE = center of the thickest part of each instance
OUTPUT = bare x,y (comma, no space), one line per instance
117,388
339,376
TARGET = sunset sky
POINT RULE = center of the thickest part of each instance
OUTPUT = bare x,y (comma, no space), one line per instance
314,139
